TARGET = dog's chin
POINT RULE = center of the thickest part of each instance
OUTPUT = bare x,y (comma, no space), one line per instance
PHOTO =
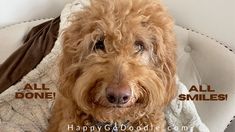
107,112
112,114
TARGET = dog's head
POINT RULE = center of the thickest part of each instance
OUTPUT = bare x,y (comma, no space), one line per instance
118,59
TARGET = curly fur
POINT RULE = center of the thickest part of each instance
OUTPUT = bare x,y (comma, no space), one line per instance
85,73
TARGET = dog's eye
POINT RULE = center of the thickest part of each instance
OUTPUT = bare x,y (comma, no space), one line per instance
139,46
99,45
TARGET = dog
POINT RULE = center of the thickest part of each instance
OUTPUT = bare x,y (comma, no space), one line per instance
117,67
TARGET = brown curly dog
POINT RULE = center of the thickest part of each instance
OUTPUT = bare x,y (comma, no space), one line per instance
117,68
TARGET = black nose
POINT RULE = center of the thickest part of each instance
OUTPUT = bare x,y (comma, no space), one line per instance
118,95
118,99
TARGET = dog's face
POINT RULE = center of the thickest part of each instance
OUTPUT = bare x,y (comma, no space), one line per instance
118,59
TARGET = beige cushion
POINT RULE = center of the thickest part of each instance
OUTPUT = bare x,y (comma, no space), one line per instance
17,11
215,18
11,37
200,59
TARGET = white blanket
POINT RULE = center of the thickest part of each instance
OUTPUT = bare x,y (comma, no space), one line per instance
32,115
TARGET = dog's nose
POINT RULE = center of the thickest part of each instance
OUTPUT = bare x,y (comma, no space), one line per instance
118,94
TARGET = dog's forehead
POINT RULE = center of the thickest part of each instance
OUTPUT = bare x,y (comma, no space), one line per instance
125,36
123,25
120,22
125,17
123,30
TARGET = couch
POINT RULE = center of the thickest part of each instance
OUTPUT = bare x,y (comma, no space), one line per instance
205,52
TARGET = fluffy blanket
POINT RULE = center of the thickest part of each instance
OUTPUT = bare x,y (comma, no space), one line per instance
21,111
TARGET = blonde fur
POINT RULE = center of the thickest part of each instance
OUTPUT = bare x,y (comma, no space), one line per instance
85,72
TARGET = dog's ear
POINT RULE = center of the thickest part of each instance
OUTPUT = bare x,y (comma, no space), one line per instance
76,40
164,45
165,59
68,66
